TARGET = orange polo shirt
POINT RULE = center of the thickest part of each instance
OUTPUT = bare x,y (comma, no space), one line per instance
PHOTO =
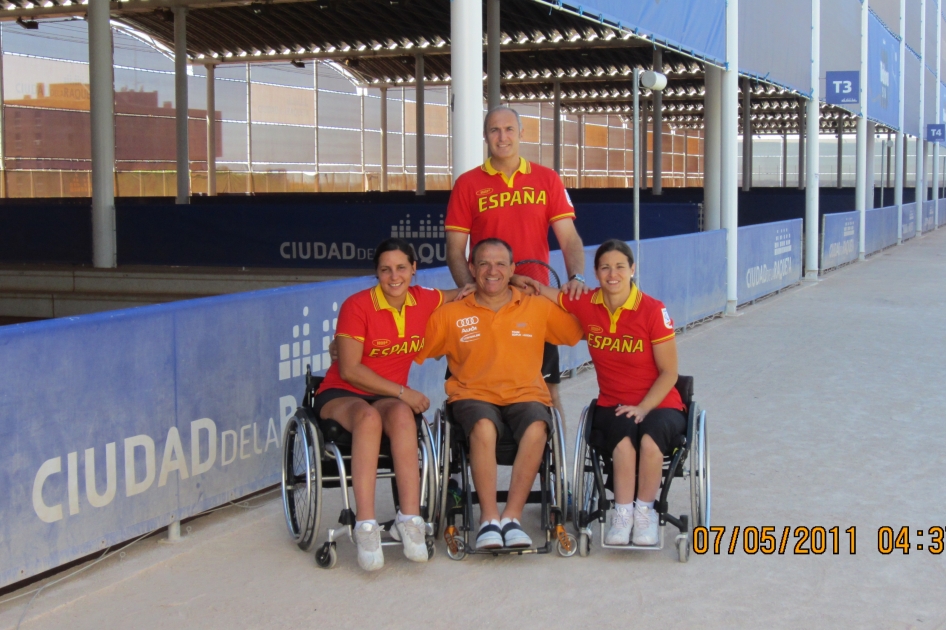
496,357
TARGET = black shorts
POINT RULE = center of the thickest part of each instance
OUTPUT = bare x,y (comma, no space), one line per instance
550,365
329,395
517,417
664,426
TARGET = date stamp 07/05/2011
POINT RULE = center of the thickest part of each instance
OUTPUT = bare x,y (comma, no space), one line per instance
812,540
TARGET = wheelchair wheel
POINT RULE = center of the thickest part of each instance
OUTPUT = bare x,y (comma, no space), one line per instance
432,490
584,482
567,552
683,548
302,479
559,481
584,545
326,556
443,469
699,467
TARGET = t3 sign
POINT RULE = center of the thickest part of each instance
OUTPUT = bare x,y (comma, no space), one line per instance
842,88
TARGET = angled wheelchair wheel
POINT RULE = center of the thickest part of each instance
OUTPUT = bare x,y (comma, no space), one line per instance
699,467
583,476
302,479
430,475
443,469
559,479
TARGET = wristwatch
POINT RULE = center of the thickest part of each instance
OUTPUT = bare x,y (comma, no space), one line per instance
580,278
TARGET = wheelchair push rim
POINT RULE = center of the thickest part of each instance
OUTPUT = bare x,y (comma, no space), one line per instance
301,480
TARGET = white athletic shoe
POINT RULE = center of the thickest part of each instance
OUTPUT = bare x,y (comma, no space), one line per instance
622,522
412,534
646,521
489,535
368,542
513,534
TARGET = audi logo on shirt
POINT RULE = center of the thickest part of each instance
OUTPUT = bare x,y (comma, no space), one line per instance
468,321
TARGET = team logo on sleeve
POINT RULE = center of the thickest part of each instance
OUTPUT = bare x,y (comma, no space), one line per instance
569,199
667,321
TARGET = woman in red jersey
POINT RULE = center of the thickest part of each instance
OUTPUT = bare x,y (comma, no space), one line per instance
379,332
639,411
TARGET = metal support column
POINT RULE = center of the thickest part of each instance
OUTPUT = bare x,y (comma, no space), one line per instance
900,138
840,150
784,158
211,132
711,147
637,153
466,72
658,150
813,118
802,126
860,187
746,135
493,71
557,128
384,139
871,184
180,104
920,144
581,147
420,136
729,193
937,116
102,122
3,148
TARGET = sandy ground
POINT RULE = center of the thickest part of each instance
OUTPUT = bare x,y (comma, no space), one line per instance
825,408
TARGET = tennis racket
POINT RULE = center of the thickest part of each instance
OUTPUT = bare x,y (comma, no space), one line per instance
538,270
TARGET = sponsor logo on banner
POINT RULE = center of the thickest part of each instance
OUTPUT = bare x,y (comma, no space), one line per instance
296,355
783,241
761,274
427,238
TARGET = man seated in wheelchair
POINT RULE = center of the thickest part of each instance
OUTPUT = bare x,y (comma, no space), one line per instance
639,411
494,341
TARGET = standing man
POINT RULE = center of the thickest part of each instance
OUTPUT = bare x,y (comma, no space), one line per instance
514,200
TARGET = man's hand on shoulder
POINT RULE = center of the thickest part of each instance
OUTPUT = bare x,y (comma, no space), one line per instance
575,288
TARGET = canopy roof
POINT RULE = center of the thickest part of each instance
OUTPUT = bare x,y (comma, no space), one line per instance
377,40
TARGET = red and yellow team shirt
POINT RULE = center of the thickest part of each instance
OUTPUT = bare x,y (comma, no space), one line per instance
622,343
391,339
518,210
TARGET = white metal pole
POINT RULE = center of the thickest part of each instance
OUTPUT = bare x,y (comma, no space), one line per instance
637,157
466,71
729,200
901,138
658,140
180,104
871,184
384,139
937,116
813,118
102,122
711,155
3,153
746,135
860,181
211,133
921,141
581,148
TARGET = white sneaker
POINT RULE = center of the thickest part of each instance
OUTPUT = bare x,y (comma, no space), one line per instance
489,535
368,542
412,534
621,524
513,534
645,525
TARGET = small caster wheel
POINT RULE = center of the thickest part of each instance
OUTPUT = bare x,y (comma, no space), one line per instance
683,548
431,548
568,550
326,556
455,549
584,545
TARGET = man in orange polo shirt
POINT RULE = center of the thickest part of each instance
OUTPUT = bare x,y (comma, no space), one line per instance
517,201
494,341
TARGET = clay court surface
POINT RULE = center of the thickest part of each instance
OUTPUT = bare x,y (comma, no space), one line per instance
825,407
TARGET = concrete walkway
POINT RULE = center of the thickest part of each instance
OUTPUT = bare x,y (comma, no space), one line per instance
825,408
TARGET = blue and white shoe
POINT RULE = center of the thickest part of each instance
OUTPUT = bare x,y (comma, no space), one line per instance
513,534
490,535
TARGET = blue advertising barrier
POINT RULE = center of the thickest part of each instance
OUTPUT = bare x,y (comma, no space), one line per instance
941,212
883,78
880,229
119,423
769,258
839,239
909,221
338,236
929,216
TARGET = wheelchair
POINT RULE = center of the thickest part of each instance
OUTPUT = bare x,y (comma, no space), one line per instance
454,509
689,459
316,454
